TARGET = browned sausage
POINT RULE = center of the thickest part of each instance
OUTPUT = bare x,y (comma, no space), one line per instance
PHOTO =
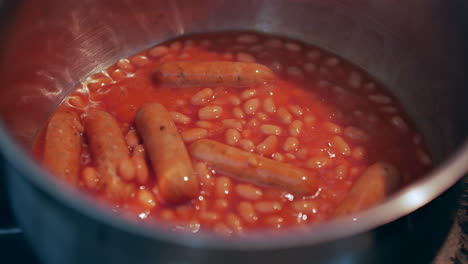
254,168
193,73
376,183
169,158
108,149
62,146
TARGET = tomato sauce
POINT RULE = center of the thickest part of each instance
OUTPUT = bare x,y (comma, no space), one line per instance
323,114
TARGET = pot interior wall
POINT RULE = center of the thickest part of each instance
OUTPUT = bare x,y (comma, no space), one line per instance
50,46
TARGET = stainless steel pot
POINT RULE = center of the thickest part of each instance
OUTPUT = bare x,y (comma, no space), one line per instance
416,48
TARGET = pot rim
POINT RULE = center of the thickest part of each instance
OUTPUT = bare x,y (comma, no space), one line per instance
400,204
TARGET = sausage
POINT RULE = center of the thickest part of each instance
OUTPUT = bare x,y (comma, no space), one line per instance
176,181
62,146
212,73
108,149
376,183
254,168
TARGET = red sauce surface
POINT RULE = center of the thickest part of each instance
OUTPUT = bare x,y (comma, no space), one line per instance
348,122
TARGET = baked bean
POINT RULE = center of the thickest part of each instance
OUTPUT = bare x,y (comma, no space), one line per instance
175,46
399,123
355,133
295,110
256,48
228,56
331,62
358,153
333,128
205,176
379,99
417,139
234,222
291,144
140,61
289,156
232,123
232,136
247,145
340,145
234,100
251,106
192,226
77,102
294,71
248,191
248,93
167,214
274,221
131,138
245,57
323,84
247,39
267,146
284,116
295,128
141,169
209,217
302,154
223,186
201,204
138,150
118,75
193,134
269,105
238,113
292,46
354,79
90,178
210,112
146,198
310,67
221,204
204,124
370,86
126,170
96,84
276,66
202,97
274,43
341,171
389,109
268,207
180,118
247,212
310,119
270,130
180,102
262,116
313,54
124,64
277,156
253,123
317,162
221,229
423,157
158,51
305,206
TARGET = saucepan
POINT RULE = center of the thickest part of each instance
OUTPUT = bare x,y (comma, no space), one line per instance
416,48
